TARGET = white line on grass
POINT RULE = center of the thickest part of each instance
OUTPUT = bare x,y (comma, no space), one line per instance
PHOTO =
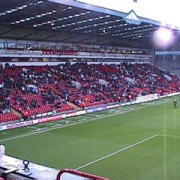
31,127
116,152
80,122
165,144
169,135
67,125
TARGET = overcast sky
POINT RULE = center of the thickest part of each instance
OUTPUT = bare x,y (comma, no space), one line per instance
165,11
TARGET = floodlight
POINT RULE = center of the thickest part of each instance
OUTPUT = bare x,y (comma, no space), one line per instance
163,38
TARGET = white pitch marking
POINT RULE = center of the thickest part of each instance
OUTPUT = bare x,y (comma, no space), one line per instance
116,152
75,123
67,125
169,135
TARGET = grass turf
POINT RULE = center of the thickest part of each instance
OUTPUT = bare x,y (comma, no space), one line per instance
133,142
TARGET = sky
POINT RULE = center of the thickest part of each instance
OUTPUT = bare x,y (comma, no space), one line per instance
164,11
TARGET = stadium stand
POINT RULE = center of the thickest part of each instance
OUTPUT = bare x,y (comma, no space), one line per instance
32,90
50,31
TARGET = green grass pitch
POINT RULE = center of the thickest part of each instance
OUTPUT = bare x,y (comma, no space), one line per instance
137,142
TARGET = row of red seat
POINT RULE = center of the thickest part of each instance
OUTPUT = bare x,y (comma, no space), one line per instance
7,117
60,81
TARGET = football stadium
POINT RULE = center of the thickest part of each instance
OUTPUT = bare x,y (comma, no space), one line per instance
89,90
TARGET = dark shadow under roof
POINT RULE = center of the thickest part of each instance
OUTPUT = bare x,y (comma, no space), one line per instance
72,22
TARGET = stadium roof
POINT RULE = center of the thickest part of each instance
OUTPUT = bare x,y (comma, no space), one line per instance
69,21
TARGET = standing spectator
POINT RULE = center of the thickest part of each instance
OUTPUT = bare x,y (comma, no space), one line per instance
175,103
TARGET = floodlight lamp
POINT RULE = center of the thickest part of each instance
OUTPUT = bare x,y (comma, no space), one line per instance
163,38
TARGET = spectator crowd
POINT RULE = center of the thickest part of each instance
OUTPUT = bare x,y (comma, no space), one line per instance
33,90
